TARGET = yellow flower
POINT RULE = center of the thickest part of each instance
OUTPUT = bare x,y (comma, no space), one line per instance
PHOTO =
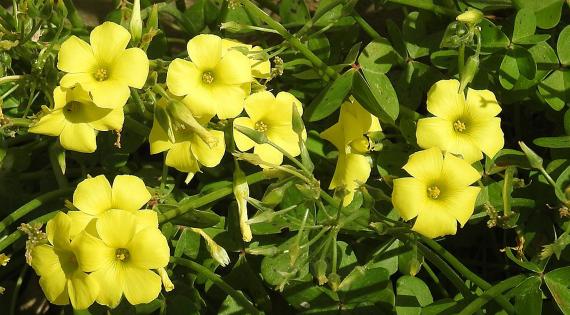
122,257
75,120
260,68
349,137
463,126
438,194
189,151
106,69
56,264
271,115
216,77
95,196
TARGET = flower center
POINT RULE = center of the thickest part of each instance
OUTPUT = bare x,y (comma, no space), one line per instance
122,254
260,126
360,145
101,74
208,77
459,126
433,192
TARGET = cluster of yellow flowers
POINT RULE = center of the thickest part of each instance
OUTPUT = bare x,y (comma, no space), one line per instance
439,193
95,87
106,248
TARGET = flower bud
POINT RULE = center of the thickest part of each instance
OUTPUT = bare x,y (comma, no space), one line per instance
469,71
136,22
152,21
241,192
274,194
232,27
266,250
533,158
251,158
334,281
168,285
471,16
218,252
320,271
182,114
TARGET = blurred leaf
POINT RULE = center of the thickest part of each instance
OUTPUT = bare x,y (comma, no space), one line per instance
558,282
562,183
331,97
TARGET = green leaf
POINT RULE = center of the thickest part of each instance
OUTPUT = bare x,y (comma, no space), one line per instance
366,285
525,24
492,37
378,56
376,94
293,11
411,295
528,296
556,89
547,12
523,263
558,282
331,98
563,46
533,39
508,72
562,183
553,142
444,59
518,61
396,38
416,35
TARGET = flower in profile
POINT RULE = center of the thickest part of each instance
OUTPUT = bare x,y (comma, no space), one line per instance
94,196
349,136
215,77
462,126
271,116
216,251
105,68
61,279
438,195
123,257
188,150
260,66
76,120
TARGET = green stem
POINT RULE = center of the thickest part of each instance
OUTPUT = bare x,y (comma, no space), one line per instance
33,204
54,150
316,238
461,58
428,5
217,280
206,199
293,41
507,186
10,239
319,14
435,279
367,28
493,292
11,78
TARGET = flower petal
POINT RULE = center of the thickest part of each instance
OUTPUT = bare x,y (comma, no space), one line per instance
44,260
205,50
131,68
85,80
92,253
445,100
358,168
53,281
51,124
488,136
286,138
229,100
54,286
409,197
82,289
259,105
181,158
75,55
111,280
57,230
466,148
116,228
482,104
242,141
141,285
460,203
202,111
78,137
110,120
110,93
268,154
434,221
335,135
93,195
146,218
207,156
425,165
234,68
285,99
183,77
158,139
108,41
435,132
149,249
129,193
457,172
79,222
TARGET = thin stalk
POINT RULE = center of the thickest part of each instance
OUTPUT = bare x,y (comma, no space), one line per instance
217,280
435,279
316,238
206,199
367,28
428,5
461,58
507,186
493,292
32,205
319,14
11,78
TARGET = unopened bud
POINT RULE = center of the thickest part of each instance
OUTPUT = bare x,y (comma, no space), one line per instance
274,194
152,21
471,16
231,27
320,271
168,285
136,22
216,251
251,158
334,281
533,158
267,250
241,192
469,71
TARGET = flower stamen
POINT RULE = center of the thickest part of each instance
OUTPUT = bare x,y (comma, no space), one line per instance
101,74
208,77
261,126
459,126
122,254
433,192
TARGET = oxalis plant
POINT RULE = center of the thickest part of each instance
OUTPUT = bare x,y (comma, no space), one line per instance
284,157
